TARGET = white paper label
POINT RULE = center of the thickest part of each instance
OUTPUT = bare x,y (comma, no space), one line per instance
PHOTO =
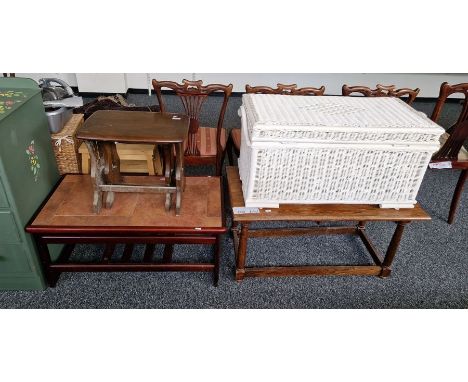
245,210
440,165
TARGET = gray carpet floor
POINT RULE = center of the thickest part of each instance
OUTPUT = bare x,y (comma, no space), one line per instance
429,271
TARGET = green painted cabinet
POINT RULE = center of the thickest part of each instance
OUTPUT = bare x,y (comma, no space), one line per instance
28,172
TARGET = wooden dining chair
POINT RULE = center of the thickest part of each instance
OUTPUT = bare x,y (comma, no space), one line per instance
234,141
452,154
382,91
204,145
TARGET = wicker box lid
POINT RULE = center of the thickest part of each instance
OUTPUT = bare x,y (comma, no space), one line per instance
271,117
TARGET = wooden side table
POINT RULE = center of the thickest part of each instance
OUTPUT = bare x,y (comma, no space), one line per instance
67,217
360,214
105,128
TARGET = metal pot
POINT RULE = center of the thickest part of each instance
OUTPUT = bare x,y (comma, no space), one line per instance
58,117
59,101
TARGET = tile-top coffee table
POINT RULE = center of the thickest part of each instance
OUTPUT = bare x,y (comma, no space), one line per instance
104,128
67,217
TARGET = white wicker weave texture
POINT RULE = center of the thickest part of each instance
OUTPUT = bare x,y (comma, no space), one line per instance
293,156
351,119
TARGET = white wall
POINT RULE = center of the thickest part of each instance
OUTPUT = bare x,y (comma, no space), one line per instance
428,83
69,78
121,82
102,82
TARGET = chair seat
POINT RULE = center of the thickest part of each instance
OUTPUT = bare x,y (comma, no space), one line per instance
236,138
462,155
206,141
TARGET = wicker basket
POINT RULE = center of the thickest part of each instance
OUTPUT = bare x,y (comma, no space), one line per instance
66,146
343,150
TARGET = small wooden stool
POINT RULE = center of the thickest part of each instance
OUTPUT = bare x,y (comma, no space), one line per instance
134,158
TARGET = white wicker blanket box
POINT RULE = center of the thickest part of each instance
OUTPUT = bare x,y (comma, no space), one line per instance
350,150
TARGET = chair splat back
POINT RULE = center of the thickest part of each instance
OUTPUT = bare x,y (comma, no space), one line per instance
459,131
202,147
193,94
382,91
445,91
234,141
454,143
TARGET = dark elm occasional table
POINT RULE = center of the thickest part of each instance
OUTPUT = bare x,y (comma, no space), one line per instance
106,127
358,213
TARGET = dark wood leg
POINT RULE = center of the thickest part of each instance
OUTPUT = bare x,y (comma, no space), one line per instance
229,149
182,166
148,255
168,173
237,152
392,248
127,253
111,169
457,195
66,253
242,252
109,199
217,249
179,176
97,169
168,252
220,153
51,276
108,252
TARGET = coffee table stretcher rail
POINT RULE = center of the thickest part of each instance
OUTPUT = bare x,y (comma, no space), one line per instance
52,270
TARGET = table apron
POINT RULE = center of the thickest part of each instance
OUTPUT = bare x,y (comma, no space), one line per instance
130,239
271,232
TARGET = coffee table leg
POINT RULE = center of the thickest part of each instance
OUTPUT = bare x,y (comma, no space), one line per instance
50,275
168,252
179,175
242,252
217,250
167,172
112,169
97,168
392,248
181,164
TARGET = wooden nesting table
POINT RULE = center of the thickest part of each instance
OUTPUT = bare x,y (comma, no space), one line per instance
67,217
105,128
360,214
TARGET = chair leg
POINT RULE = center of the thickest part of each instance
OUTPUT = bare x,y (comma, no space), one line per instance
457,195
219,163
229,149
237,152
